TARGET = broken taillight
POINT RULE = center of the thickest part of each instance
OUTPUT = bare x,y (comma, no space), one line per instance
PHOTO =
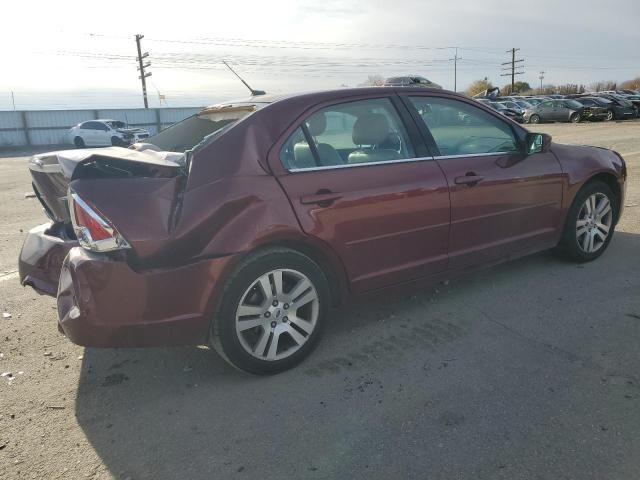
94,232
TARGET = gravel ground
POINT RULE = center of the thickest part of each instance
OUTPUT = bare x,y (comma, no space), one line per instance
526,371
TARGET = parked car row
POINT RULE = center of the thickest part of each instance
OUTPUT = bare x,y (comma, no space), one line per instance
600,106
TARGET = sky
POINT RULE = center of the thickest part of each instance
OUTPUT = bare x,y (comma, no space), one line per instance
79,54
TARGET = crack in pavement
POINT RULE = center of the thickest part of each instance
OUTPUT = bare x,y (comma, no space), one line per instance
555,350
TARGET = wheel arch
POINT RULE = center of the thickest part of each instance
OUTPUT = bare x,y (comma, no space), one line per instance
324,256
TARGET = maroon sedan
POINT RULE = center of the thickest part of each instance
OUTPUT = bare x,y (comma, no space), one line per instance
241,226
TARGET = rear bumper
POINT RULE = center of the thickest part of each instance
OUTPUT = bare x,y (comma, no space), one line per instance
41,258
103,302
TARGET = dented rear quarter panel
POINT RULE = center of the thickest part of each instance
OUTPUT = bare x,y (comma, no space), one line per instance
229,203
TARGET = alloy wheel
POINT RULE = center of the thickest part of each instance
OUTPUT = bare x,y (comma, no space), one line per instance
277,314
593,226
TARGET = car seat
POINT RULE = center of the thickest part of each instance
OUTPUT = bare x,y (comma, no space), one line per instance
302,154
370,132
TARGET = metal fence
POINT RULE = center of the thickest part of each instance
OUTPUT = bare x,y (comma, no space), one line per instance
51,127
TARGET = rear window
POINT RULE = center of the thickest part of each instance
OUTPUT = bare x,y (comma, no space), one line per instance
205,125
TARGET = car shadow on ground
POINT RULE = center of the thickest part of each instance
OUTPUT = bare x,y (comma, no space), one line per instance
184,413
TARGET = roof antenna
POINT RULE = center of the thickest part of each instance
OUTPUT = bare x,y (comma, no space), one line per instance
254,93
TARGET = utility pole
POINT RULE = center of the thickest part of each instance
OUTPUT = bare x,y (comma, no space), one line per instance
512,67
141,66
541,77
455,69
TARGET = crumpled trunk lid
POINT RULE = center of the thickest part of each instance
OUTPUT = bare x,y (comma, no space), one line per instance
52,172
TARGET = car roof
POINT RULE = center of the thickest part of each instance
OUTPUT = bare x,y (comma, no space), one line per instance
263,100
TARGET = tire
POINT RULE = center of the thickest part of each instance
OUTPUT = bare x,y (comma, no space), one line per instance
116,142
78,142
575,118
610,116
534,118
267,316
580,225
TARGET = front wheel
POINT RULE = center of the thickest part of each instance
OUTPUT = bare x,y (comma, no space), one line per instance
271,311
610,116
574,118
117,142
78,142
534,119
590,223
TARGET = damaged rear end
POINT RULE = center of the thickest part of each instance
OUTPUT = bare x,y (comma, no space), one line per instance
72,220
109,251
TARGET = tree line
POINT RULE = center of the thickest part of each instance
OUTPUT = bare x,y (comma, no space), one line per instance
523,88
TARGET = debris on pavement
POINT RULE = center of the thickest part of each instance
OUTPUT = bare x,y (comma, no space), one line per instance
29,195
6,315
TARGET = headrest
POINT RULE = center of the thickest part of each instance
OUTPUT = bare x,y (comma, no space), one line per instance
317,124
370,129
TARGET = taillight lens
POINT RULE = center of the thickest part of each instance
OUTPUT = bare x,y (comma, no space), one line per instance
94,232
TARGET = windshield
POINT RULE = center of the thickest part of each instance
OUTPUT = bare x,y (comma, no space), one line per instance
115,124
498,106
209,123
524,104
573,104
622,100
602,101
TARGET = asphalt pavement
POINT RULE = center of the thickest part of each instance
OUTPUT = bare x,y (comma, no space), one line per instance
529,370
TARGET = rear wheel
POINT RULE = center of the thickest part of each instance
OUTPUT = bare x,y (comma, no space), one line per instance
272,313
78,142
574,118
590,223
534,119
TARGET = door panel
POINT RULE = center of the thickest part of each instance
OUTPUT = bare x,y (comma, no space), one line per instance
358,179
502,201
390,223
516,207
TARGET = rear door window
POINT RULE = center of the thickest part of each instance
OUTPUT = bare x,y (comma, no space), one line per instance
350,133
94,126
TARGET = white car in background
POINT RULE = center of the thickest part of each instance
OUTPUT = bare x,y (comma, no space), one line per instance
104,132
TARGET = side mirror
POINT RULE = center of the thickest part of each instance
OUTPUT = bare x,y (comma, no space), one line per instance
537,142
